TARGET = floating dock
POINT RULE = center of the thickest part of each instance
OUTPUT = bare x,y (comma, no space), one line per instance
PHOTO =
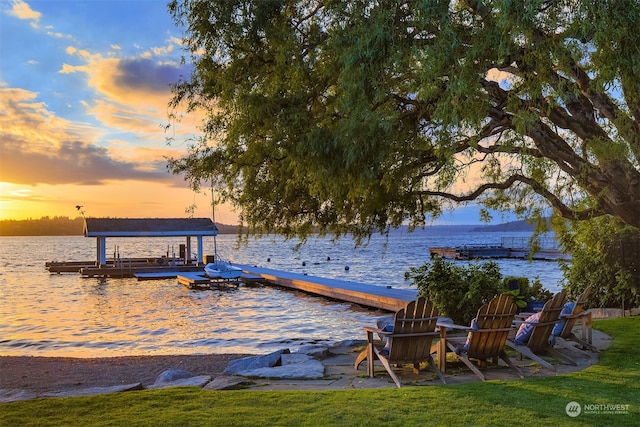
467,252
385,298
516,248
199,280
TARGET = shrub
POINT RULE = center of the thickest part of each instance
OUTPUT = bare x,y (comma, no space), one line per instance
606,256
456,291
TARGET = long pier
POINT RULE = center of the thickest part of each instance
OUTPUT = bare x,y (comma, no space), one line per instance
385,298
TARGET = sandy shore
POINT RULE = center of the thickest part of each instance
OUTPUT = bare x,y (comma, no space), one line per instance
40,374
33,376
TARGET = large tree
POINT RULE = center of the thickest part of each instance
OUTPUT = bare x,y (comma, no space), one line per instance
355,116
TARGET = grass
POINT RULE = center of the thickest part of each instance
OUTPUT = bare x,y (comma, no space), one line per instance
615,380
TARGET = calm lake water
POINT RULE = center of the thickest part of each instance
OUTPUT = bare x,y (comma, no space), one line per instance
43,314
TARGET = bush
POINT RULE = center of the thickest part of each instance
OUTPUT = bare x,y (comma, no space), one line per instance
605,255
456,291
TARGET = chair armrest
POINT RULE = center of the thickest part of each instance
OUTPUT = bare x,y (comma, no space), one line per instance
524,314
447,325
492,330
520,322
575,316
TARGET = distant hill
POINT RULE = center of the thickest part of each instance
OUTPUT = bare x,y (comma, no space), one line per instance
63,226
441,228
522,225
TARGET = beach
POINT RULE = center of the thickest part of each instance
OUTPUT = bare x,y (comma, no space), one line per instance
40,374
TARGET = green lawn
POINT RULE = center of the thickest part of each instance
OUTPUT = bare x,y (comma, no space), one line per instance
536,401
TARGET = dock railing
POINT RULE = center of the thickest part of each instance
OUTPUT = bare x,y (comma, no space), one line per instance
525,242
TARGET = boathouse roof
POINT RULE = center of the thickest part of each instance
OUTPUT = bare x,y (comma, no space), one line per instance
148,227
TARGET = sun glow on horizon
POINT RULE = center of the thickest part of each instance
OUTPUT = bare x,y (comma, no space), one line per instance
125,200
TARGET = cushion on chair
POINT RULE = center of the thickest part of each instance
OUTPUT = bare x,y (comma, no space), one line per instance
566,310
525,330
465,347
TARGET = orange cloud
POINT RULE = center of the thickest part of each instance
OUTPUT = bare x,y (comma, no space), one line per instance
29,126
140,83
22,10
133,93
39,147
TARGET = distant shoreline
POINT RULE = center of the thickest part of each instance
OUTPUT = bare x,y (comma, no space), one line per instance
64,226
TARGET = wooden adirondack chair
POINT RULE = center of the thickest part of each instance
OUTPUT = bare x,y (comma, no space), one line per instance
578,313
493,322
413,333
539,340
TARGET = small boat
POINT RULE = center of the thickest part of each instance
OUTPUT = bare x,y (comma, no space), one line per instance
219,268
222,270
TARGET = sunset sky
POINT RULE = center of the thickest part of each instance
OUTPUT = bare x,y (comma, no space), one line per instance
84,90
84,87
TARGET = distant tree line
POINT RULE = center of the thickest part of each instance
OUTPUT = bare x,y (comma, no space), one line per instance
45,226
62,226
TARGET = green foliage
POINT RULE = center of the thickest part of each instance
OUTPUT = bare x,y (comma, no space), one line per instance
517,297
532,401
527,293
606,256
353,117
537,292
457,291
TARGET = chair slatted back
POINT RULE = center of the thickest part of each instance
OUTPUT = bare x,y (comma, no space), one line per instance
494,323
413,332
577,309
549,315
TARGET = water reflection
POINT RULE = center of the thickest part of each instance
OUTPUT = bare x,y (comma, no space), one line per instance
66,315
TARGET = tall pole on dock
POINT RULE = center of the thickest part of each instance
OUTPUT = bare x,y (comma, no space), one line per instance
213,218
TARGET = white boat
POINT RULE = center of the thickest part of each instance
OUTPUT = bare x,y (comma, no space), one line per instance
222,270
219,268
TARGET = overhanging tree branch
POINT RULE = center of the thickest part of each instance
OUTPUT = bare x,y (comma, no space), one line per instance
562,208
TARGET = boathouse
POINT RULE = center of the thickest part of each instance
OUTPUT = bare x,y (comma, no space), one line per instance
101,228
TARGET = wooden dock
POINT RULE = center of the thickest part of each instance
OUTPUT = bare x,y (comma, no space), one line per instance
200,281
385,298
467,252
120,267
160,272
